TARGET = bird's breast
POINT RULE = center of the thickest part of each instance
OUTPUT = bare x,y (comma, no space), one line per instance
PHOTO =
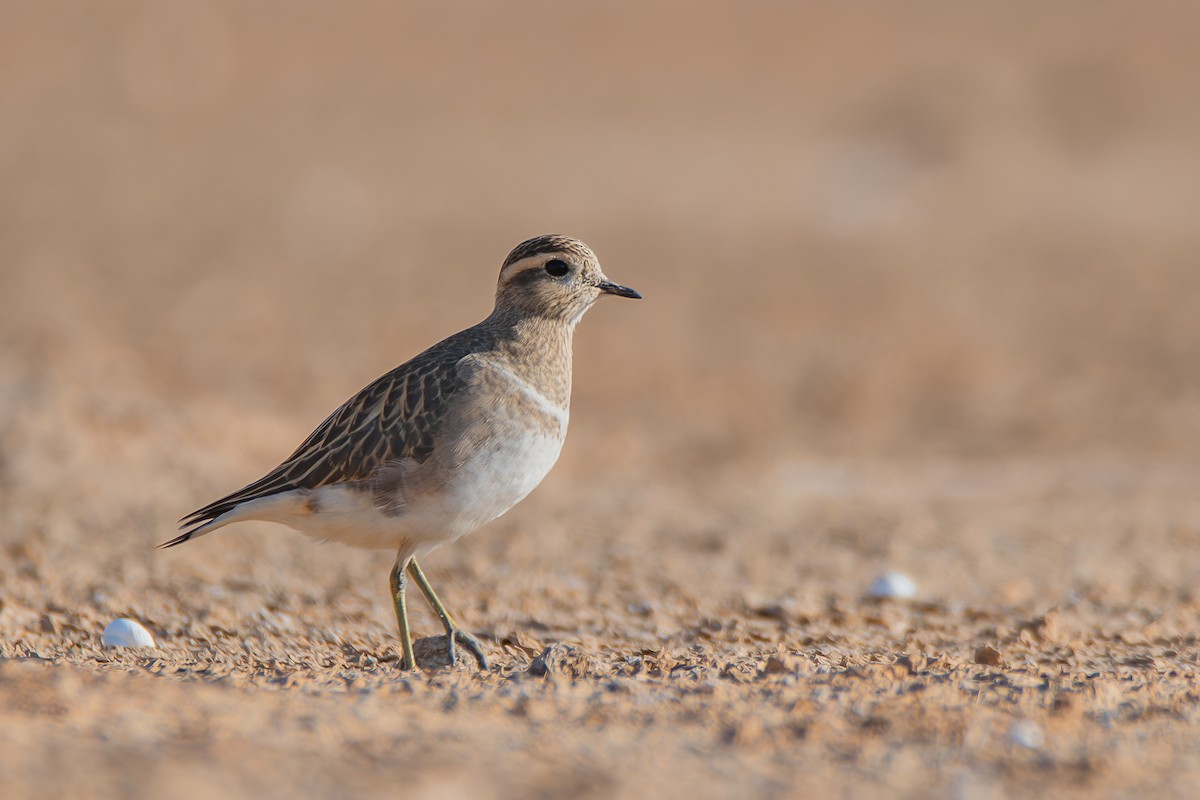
501,444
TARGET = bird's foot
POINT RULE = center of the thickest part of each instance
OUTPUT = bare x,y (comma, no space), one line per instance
466,639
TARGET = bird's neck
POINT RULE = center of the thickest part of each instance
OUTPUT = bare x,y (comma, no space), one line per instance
537,350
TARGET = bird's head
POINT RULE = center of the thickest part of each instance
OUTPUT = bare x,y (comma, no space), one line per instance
556,277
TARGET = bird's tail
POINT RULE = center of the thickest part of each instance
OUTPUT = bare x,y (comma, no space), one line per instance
196,531
222,513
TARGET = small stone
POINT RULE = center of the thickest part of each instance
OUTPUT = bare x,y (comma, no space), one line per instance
1026,733
526,646
781,664
564,660
125,632
893,586
988,656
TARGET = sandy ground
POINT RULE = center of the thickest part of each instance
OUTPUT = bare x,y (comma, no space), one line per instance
921,295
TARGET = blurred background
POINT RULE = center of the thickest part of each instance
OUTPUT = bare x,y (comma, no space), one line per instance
918,231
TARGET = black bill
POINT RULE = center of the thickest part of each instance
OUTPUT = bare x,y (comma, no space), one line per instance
608,287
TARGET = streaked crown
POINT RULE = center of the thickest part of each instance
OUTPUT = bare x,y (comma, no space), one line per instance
549,244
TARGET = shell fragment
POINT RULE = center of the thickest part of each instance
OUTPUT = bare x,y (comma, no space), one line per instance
126,632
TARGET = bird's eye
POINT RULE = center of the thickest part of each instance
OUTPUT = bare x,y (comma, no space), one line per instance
557,268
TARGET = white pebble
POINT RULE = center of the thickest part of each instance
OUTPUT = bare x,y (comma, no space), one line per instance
1026,733
126,633
893,585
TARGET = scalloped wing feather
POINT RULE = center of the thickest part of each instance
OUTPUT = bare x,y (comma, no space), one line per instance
395,417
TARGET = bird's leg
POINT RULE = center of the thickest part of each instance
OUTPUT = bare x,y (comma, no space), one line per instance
399,582
453,632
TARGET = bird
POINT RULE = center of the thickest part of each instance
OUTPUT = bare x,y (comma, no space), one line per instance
444,443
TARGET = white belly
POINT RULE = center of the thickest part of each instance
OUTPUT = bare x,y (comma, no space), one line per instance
497,477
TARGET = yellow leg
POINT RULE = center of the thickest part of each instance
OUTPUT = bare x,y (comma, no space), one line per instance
454,634
399,582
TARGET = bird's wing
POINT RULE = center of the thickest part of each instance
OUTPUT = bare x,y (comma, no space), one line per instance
395,417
